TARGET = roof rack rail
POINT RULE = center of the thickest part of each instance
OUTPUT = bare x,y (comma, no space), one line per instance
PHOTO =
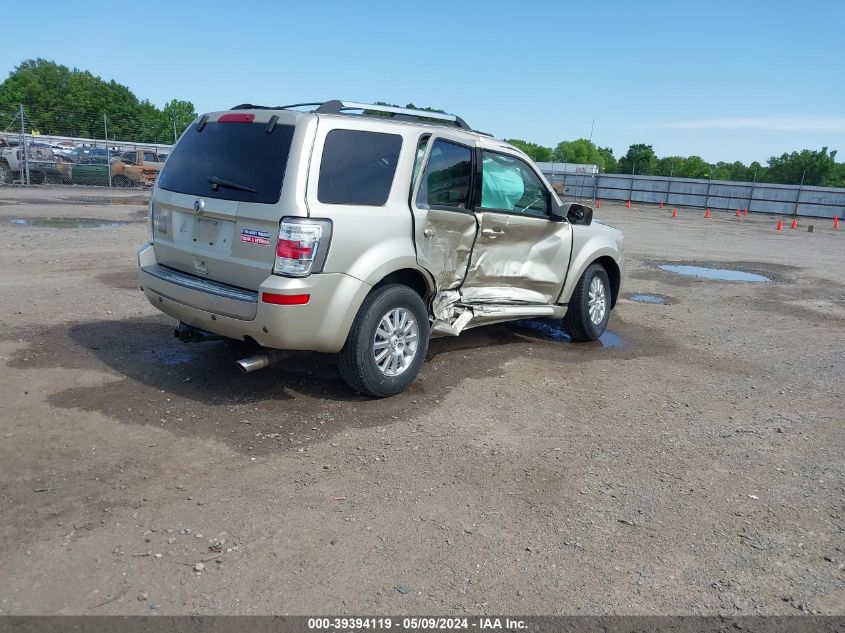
251,106
336,106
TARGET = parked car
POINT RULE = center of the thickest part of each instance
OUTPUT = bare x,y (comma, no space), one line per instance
41,163
338,231
135,157
80,154
137,168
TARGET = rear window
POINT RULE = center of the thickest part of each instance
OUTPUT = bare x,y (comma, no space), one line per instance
357,167
232,161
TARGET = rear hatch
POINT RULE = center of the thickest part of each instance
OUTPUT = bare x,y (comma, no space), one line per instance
219,198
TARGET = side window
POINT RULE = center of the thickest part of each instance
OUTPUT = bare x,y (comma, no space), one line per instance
446,181
358,167
149,157
509,184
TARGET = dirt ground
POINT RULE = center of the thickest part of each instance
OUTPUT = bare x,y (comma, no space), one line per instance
690,464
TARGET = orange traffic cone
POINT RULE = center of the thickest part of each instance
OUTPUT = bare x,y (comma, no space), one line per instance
674,213
707,213
628,204
745,212
836,223
779,227
598,204
737,214
794,224
661,205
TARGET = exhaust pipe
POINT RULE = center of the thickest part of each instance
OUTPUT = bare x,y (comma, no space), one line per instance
260,361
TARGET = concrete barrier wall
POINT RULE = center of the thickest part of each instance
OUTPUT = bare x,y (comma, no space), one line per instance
819,202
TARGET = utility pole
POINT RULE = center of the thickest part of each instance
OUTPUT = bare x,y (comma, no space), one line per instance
25,170
798,197
669,186
751,194
174,131
108,152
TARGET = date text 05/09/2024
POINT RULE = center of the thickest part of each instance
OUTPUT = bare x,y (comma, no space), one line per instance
429,623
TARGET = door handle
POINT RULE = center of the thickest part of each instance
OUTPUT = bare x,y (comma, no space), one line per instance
496,231
428,232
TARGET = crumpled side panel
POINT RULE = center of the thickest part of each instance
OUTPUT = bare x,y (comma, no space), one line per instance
526,263
447,250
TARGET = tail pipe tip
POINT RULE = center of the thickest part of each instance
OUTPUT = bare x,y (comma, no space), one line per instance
260,361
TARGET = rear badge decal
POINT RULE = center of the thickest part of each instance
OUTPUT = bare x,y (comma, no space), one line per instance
251,236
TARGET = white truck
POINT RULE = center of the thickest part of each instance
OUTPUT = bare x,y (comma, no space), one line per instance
41,163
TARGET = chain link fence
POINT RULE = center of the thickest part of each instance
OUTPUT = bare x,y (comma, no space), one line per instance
75,148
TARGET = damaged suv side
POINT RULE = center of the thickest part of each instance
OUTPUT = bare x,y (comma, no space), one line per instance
364,230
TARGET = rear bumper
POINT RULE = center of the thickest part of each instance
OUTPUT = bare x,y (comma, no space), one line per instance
320,325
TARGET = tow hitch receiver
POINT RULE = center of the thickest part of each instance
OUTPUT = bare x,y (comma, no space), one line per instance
189,334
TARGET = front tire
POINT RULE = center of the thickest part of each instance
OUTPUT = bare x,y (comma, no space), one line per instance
589,308
387,343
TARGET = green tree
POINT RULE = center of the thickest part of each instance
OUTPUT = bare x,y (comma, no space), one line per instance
836,178
72,102
607,162
579,151
682,167
536,152
584,151
180,113
640,159
816,166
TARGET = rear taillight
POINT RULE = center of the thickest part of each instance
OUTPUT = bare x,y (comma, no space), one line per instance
159,218
302,247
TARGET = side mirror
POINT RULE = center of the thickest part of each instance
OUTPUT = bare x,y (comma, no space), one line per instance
579,214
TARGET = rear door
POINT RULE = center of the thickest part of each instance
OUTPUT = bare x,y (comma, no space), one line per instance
444,224
221,193
521,256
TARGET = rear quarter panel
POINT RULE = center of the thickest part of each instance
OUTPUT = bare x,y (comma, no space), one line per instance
368,242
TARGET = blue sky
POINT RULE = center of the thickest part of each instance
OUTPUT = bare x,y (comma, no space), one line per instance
724,80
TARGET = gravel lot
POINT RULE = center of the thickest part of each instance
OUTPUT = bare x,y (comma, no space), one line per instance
692,464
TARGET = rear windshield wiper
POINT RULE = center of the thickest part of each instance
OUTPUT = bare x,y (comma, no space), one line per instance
228,184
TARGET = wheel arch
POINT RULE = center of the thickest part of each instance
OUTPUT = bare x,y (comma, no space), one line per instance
614,274
415,278
605,256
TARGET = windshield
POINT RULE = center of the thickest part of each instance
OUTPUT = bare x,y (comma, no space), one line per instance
231,160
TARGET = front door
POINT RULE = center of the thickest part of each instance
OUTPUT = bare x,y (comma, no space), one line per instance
444,224
521,256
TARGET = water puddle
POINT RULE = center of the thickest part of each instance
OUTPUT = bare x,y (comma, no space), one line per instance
68,223
553,332
93,200
81,200
648,298
718,274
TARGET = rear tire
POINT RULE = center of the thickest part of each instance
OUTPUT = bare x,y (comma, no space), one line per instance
120,181
5,173
53,178
387,343
589,307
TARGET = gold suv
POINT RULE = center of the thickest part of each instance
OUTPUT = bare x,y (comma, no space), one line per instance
364,230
